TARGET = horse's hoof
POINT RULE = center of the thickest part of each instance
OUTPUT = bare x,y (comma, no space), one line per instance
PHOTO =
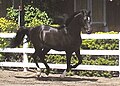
47,73
38,74
63,74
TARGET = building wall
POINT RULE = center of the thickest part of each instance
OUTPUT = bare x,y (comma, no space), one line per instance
96,8
81,4
3,5
113,14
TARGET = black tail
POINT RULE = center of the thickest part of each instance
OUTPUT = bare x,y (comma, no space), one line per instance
18,39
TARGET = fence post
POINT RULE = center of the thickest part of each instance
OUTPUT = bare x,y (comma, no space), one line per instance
25,59
119,53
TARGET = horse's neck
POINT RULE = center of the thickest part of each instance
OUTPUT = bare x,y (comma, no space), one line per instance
74,29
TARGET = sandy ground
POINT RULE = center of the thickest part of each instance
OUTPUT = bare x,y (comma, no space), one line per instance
20,78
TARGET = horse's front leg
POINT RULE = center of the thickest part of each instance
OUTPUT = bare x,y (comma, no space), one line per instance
68,57
79,58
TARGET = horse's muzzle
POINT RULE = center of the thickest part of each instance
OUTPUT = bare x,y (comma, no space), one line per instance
89,31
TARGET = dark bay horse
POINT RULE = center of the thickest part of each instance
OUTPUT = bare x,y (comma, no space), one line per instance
67,38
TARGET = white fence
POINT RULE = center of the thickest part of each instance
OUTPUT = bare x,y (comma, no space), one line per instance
25,50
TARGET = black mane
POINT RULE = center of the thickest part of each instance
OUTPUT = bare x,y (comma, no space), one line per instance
73,15
67,22
70,18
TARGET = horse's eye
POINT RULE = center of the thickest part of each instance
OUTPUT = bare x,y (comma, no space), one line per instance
88,19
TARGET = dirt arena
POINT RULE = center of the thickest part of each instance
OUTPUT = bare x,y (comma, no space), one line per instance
19,78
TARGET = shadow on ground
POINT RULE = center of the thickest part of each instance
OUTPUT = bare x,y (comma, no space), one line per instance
54,78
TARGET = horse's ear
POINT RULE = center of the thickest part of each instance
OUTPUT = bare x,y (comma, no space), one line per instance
83,12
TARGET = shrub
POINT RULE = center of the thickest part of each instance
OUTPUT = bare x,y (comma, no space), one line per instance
7,25
12,14
101,44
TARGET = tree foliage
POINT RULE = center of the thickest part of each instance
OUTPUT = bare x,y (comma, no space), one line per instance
33,16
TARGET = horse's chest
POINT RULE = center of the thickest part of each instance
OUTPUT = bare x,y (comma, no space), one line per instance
64,42
75,44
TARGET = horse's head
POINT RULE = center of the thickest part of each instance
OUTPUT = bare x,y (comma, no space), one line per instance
82,18
86,23
17,40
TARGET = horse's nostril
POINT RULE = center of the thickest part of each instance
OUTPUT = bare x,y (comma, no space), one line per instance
88,32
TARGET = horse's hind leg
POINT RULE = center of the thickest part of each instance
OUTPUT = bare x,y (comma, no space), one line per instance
42,58
34,55
79,58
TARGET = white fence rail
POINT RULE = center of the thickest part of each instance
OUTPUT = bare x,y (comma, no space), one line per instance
25,50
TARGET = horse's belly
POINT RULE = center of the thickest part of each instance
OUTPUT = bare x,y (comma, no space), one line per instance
63,46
